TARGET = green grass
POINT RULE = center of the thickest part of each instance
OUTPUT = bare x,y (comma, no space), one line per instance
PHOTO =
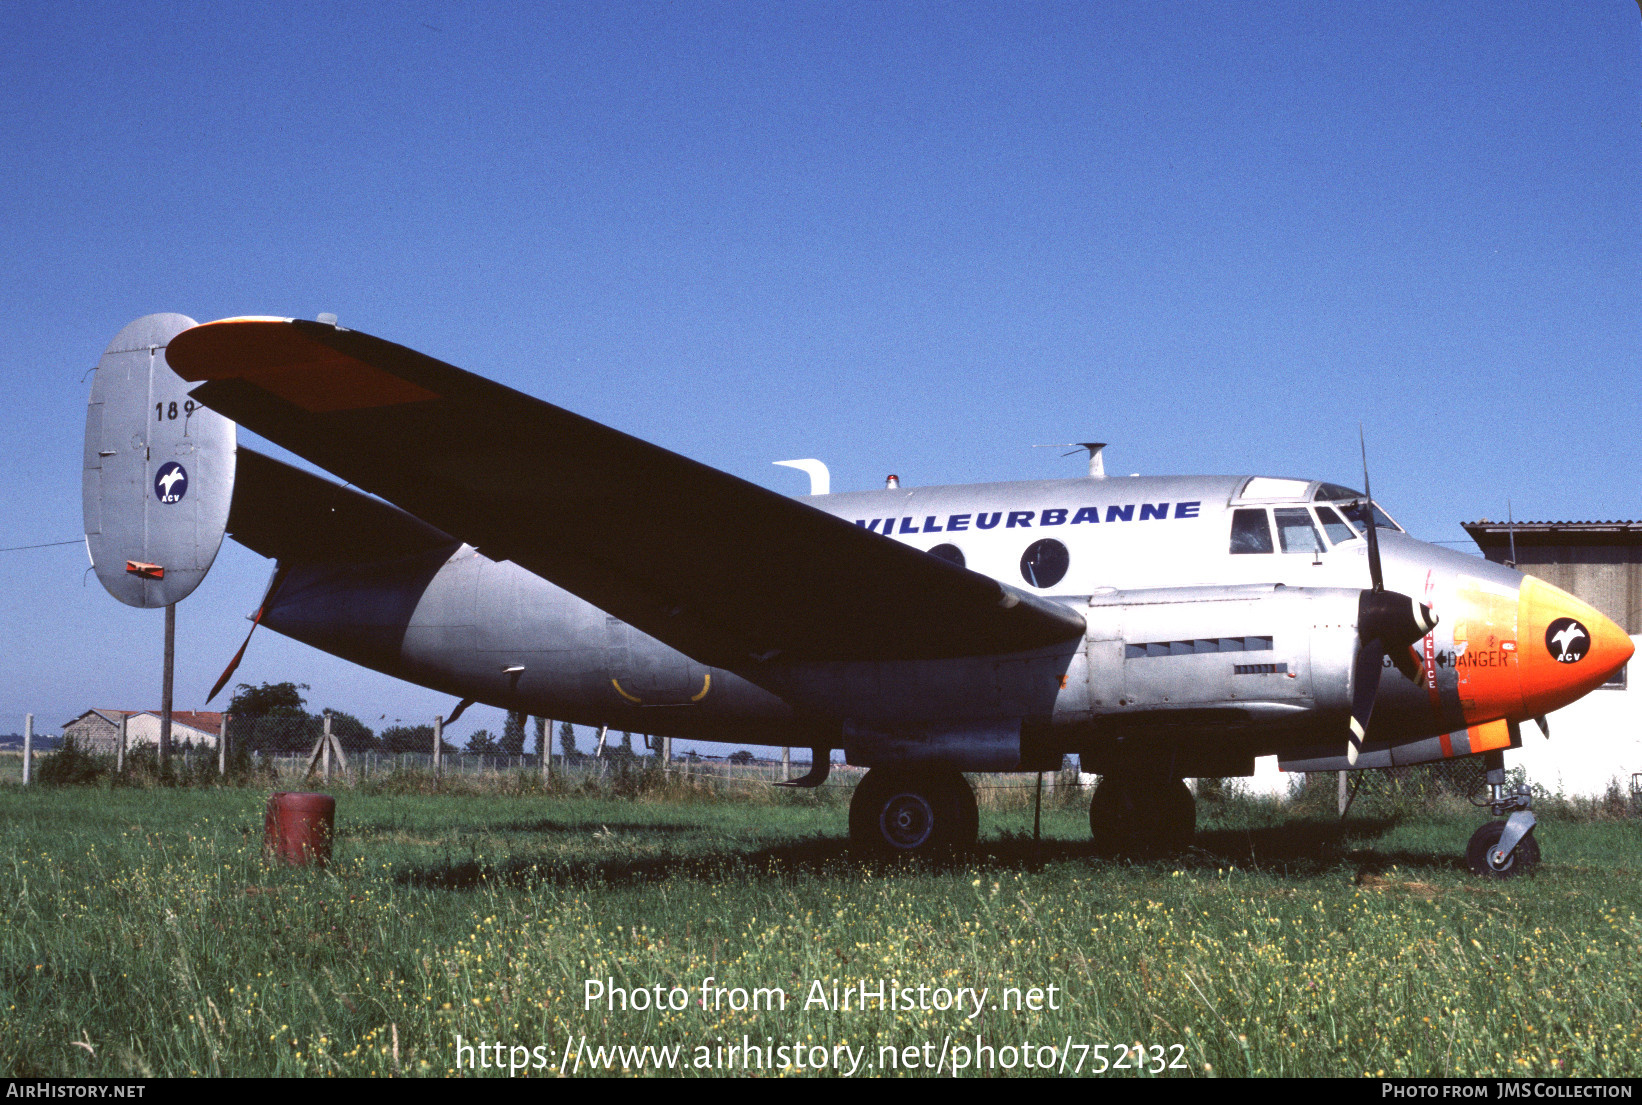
143,934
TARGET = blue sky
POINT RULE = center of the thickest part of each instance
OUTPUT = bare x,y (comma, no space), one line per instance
917,238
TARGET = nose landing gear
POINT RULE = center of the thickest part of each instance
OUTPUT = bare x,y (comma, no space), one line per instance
1504,849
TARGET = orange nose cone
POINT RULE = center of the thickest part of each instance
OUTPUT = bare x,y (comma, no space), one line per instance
1565,647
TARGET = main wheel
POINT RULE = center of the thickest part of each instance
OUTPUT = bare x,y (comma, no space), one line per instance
1479,853
908,812
1142,817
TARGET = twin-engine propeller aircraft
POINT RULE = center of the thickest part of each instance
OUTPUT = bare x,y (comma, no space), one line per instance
504,550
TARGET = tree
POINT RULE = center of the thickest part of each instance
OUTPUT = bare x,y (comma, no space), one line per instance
410,738
741,757
482,742
567,739
513,733
269,700
541,735
271,717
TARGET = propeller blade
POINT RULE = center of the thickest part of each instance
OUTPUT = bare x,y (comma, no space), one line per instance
1373,534
1544,726
256,620
1365,684
233,665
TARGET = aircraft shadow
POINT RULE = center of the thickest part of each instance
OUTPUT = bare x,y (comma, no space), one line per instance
1293,849
571,828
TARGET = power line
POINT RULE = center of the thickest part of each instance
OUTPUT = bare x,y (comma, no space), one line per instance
47,545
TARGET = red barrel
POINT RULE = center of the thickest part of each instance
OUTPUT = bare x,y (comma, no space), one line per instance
298,827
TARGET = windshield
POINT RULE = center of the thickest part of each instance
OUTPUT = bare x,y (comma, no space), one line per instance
1357,516
1351,505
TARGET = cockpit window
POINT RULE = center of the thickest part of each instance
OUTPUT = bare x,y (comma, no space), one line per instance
1337,530
1295,531
1333,492
1357,516
1343,496
1250,532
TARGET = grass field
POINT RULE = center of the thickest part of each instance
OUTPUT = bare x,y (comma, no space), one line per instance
143,934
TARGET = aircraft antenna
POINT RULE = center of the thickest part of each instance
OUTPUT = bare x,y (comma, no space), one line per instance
820,478
1097,464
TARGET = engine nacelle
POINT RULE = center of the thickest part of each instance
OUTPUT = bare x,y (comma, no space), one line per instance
158,476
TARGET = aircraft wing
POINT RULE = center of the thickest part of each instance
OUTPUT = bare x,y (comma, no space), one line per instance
726,571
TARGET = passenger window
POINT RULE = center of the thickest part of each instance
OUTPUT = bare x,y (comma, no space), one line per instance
1250,533
1332,525
1295,531
1045,562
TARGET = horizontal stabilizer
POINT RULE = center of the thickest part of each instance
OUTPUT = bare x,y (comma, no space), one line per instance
295,516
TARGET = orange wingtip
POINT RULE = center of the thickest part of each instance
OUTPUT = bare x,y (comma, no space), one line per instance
147,571
278,358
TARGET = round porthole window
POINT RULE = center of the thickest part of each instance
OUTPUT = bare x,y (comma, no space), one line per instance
1045,562
952,554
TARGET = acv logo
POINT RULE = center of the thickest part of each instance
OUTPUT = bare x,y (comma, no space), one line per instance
1567,641
170,482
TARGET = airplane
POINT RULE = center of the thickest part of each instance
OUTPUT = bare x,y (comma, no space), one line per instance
501,549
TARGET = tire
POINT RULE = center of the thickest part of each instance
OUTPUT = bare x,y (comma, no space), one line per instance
1524,858
1142,817
913,813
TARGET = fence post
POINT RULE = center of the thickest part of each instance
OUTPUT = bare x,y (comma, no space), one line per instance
28,748
326,753
222,746
438,744
666,751
119,747
786,763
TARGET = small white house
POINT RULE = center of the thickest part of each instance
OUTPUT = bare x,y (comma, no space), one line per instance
99,730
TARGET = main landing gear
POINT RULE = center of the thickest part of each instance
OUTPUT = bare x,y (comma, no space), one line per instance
1142,815
1504,849
913,812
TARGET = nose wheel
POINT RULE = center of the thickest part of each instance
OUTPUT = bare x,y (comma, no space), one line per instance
1504,849
913,812
1490,855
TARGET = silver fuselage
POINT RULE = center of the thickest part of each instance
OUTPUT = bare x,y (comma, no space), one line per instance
1148,564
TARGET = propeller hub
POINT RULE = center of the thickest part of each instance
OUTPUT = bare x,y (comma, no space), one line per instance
1395,620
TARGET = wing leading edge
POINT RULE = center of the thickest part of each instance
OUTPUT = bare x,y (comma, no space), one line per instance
726,571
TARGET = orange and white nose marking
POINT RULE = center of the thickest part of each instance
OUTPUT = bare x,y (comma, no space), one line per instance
1565,647
1525,654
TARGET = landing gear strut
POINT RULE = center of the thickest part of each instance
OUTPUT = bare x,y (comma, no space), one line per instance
1141,815
1504,849
913,811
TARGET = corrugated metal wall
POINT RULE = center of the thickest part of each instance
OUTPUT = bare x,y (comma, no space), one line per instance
1609,578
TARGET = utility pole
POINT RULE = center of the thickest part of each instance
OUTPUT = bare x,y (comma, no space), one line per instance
28,748
119,747
222,746
165,687
438,744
